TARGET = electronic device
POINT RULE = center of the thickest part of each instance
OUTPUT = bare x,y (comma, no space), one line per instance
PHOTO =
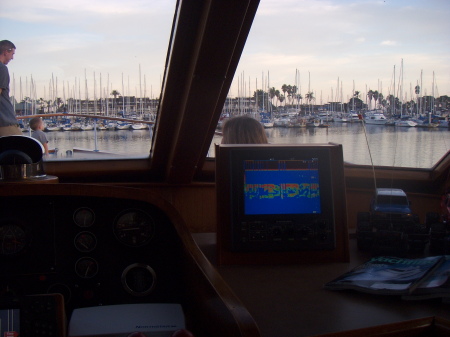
32,316
152,319
280,199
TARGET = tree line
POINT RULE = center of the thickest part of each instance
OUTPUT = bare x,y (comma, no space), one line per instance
288,97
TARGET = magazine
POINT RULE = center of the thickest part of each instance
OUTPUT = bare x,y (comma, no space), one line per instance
387,275
436,285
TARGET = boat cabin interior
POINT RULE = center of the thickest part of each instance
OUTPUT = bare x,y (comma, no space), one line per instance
160,229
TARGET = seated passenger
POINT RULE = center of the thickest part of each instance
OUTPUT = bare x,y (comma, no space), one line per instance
37,125
243,130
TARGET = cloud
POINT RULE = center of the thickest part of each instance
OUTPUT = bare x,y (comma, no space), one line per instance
388,43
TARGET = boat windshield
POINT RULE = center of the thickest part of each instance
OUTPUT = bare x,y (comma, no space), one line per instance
311,72
94,80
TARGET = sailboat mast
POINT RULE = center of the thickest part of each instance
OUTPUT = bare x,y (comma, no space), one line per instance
123,98
95,95
353,98
393,99
140,88
432,97
269,105
262,80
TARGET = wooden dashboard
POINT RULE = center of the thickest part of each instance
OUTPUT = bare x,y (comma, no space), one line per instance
100,245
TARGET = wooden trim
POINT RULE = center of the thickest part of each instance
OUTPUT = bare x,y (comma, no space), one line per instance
427,326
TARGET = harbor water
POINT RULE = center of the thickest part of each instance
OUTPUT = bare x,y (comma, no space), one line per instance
362,144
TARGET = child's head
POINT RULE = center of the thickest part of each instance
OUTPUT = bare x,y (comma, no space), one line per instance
36,123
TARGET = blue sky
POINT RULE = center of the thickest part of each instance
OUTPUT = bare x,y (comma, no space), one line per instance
330,44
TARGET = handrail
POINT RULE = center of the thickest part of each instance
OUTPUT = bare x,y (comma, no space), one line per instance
87,116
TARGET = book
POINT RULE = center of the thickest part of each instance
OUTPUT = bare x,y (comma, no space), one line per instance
386,275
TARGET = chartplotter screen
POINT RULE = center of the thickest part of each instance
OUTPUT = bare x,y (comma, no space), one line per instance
282,186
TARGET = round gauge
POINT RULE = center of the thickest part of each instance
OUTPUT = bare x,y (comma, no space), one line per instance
84,217
85,242
134,228
86,267
138,279
13,239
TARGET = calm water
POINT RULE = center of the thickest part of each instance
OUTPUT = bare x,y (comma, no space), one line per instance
388,145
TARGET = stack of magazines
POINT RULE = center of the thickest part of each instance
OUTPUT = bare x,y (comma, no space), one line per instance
420,278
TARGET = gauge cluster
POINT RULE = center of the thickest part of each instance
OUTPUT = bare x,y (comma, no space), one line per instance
95,251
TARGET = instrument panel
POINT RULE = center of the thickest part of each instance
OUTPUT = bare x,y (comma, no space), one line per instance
93,250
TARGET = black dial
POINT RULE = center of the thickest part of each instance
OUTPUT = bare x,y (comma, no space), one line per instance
84,217
86,267
134,228
85,242
13,239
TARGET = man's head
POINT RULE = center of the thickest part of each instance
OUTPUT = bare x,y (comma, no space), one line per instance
7,50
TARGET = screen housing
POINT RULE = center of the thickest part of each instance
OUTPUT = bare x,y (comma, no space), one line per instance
280,233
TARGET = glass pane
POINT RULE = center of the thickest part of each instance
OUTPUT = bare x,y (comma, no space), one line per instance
317,69
99,58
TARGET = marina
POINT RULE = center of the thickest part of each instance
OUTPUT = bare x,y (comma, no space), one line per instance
386,145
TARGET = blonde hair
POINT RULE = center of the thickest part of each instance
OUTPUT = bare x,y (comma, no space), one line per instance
243,130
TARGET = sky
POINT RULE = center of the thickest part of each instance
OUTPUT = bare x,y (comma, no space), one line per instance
329,47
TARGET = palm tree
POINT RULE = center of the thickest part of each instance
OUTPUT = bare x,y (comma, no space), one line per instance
309,96
443,101
114,93
375,95
272,94
281,98
355,97
27,105
58,104
370,95
284,89
277,95
380,98
258,95
41,102
417,91
298,97
393,103
293,92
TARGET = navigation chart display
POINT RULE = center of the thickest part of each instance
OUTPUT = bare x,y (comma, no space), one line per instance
281,187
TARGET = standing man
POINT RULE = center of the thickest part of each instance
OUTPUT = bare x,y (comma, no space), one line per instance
8,122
